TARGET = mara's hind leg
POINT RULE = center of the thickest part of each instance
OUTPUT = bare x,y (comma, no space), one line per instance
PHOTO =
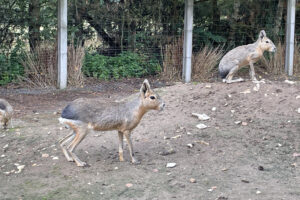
121,146
64,142
81,132
133,159
229,76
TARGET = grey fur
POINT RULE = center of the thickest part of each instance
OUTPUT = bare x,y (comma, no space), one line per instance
6,112
85,114
245,55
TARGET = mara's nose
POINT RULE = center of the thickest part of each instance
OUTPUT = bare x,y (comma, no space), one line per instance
275,49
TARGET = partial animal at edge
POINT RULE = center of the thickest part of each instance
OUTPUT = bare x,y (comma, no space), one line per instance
6,113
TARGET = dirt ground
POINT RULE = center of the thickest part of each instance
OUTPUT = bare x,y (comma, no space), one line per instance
250,149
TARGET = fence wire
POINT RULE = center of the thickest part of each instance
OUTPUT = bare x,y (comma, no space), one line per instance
119,33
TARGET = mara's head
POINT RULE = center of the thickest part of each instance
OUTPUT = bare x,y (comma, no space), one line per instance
150,100
265,43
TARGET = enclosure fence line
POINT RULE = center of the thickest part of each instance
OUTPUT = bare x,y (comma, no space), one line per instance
62,44
290,37
188,43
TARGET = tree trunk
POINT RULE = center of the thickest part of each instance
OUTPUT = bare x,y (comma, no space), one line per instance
233,21
34,23
278,18
215,15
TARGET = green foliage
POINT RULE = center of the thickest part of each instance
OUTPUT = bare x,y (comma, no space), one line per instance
10,68
127,64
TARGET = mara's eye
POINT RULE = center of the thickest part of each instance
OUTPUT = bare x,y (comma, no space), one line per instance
152,97
267,41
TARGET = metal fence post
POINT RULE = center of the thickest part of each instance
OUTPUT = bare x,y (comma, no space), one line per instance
62,44
290,37
188,38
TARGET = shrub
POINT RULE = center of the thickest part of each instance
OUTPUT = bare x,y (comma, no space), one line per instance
10,68
127,64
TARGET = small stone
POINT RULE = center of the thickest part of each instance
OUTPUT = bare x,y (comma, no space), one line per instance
258,192
166,138
2,156
190,145
212,188
289,82
192,180
213,108
201,126
298,97
246,91
244,123
296,154
229,95
245,181
237,122
116,168
129,185
298,110
202,142
55,158
261,168
167,152
5,146
171,165
176,136
202,117
20,168
232,111
208,86
155,170
6,173
45,155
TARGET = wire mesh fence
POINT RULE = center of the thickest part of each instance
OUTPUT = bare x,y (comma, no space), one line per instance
130,38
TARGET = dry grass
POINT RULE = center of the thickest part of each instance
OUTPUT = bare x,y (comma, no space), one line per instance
40,66
297,60
274,63
205,62
172,64
75,61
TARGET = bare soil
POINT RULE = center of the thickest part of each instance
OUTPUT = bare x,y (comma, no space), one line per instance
254,159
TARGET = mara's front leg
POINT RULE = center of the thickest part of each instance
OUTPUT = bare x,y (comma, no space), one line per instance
121,146
252,72
133,159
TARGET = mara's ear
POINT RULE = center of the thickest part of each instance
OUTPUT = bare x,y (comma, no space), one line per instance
145,87
262,34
